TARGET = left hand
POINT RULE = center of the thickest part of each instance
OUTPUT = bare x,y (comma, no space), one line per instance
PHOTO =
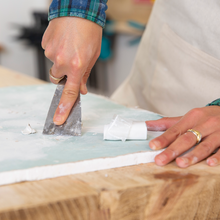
177,140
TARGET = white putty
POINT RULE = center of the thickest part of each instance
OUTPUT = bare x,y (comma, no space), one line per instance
28,130
63,107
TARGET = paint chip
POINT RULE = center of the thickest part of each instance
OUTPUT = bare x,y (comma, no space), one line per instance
28,130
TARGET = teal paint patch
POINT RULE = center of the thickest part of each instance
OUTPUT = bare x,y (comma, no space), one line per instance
29,104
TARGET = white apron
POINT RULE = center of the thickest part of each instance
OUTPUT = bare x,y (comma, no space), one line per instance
177,66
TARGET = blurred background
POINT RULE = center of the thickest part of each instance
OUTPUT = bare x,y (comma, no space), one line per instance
23,22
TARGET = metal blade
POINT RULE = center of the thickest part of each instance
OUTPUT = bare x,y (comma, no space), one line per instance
72,126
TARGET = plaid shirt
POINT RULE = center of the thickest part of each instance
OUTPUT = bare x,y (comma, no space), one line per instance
93,10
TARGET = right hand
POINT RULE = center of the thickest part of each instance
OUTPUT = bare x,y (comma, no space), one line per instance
73,44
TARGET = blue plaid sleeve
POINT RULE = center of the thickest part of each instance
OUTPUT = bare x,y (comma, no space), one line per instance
216,102
93,10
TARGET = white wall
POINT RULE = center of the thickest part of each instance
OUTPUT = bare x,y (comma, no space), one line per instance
17,56
120,67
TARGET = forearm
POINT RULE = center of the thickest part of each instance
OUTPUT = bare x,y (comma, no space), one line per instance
93,10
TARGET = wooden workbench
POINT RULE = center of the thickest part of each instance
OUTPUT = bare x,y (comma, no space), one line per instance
12,78
129,193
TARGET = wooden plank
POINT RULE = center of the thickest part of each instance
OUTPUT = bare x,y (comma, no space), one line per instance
129,10
138,192
1,48
123,11
12,78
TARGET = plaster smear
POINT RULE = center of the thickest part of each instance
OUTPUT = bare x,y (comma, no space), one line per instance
63,107
34,157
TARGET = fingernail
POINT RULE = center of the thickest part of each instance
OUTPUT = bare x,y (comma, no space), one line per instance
195,160
161,159
154,145
184,160
212,162
57,118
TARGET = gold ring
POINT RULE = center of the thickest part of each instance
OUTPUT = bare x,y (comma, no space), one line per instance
54,78
197,134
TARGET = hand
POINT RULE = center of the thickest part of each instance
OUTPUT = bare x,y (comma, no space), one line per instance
73,44
177,140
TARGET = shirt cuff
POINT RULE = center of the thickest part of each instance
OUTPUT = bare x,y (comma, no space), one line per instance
216,102
87,9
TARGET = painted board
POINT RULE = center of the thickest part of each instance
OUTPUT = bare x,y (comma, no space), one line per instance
36,156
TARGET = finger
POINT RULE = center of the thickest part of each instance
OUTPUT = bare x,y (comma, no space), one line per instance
187,141
190,120
49,50
45,38
162,124
170,135
178,147
83,87
44,41
201,151
55,74
68,98
215,159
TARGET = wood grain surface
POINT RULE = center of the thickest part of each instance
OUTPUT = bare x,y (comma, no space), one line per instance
128,10
1,48
143,192
12,78
123,11
130,193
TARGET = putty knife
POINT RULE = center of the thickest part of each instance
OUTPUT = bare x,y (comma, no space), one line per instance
72,126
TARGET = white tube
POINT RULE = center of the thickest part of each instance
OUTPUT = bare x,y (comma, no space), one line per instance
122,129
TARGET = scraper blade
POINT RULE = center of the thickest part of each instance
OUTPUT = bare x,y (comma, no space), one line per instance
72,126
